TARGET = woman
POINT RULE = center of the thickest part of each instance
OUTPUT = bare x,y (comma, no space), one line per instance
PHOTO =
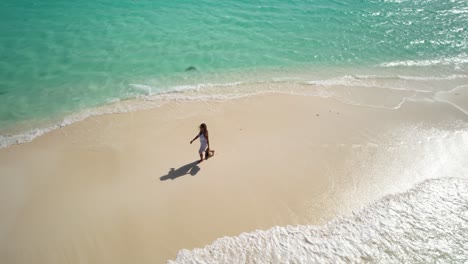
204,142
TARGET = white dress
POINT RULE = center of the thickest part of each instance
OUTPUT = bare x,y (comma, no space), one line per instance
203,143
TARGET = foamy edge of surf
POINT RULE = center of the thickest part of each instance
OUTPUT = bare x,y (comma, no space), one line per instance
455,61
419,225
187,93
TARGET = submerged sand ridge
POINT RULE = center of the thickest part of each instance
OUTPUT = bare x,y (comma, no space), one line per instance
124,188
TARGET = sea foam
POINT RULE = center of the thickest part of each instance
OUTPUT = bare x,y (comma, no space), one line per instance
456,61
428,223
347,88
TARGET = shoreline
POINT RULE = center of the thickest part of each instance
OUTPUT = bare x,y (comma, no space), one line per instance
105,183
346,238
359,88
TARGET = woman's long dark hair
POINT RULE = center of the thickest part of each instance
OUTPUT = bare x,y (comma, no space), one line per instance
204,127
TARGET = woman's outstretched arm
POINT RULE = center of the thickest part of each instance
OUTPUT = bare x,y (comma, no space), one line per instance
194,138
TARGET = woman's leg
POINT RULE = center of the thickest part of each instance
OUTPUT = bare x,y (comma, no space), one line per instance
203,147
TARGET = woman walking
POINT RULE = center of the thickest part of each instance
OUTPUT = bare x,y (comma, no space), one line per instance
204,142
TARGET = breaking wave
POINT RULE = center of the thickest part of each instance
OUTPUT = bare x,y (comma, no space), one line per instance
428,223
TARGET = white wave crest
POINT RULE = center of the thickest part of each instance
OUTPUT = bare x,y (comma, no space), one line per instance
151,96
461,59
427,223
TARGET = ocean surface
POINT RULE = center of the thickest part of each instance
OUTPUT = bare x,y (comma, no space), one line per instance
62,61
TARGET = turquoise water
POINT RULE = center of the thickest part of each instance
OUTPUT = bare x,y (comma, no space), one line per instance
58,57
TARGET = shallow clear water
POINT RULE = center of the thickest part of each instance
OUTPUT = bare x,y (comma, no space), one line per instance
57,58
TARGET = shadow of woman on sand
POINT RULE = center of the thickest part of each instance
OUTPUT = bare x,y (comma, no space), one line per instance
191,168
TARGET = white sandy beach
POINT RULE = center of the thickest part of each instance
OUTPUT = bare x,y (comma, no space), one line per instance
126,188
